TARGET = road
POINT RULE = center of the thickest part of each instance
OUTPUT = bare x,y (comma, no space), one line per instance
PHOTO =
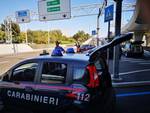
133,69
133,98
7,61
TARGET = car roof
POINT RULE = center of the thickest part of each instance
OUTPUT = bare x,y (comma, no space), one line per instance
65,57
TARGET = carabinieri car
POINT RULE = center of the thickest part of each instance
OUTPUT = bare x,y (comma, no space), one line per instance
69,83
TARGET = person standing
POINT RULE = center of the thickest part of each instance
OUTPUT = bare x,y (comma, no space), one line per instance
58,47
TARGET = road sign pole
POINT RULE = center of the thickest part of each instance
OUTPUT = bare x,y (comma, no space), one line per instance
98,28
117,32
108,36
26,34
109,16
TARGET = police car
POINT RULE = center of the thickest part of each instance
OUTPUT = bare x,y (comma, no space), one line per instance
68,83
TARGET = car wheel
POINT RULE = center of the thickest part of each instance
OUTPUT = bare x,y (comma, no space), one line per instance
110,101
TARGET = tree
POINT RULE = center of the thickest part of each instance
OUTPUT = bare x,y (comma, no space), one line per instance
30,36
81,36
15,30
2,35
55,35
22,37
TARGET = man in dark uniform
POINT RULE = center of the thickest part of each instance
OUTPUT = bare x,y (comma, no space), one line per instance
59,47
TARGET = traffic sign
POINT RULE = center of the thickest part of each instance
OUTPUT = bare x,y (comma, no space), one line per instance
23,16
109,13
93,32
54,9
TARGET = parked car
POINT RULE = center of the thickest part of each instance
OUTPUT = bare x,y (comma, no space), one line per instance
133,49
86,47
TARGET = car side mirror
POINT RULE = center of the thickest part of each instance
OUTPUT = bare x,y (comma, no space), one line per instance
6,76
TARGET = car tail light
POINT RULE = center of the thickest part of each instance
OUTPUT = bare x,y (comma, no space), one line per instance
94,81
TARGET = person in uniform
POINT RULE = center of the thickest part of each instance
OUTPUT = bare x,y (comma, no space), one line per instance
58,47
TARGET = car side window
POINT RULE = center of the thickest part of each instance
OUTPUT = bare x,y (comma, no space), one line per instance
25,72
53,73
78,73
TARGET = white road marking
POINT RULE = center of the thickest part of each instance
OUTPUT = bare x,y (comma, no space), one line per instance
132,72
3,62
136,61
133,59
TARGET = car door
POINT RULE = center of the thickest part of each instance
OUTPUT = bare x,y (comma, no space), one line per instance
52,87
18,89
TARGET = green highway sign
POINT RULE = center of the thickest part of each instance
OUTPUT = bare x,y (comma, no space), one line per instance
53,9
54,2
53,6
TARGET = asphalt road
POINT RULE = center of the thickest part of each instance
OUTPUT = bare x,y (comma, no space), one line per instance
7,61
133,99
133,69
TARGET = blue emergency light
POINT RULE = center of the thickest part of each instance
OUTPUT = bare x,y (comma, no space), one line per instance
57,52
70,50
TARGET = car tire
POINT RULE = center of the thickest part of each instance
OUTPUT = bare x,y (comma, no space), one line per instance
110,101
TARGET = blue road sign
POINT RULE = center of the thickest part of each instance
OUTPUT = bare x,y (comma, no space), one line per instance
94,32
22,13
109,13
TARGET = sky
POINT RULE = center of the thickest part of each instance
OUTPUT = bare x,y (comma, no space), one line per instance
69,26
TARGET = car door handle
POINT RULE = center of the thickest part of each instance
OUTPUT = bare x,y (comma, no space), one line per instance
28,89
